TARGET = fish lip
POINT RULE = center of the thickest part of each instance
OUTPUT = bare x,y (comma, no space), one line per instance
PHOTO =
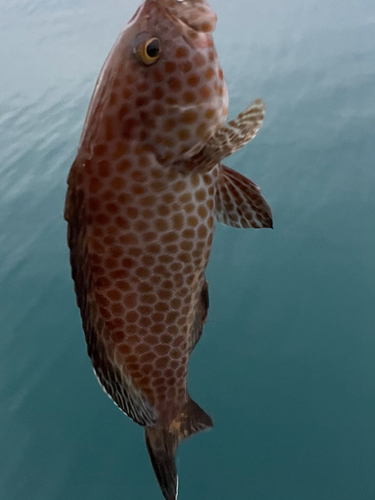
146,10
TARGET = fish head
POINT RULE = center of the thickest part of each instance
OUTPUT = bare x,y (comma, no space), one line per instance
162,85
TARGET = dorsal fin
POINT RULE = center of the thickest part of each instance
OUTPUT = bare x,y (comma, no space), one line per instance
239,202
229,138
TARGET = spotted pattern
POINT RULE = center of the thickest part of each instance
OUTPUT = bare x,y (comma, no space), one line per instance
148,241
172,107
143,193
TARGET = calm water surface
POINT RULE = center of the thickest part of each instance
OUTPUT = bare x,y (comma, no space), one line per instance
286,363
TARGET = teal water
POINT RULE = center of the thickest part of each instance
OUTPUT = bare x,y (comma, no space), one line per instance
286,365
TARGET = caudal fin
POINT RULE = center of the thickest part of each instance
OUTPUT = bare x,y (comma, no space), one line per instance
162,445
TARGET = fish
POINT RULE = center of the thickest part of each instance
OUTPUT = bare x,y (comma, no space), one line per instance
144,191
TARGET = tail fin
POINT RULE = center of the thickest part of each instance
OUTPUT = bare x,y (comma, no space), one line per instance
162,445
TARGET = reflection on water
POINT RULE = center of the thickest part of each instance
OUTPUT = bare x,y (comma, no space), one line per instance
285,364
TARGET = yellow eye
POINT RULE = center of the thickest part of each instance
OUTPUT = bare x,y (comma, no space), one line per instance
149,51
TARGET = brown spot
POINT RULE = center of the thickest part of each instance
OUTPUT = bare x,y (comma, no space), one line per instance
165,294
186,245
117,183
124,348
150,236
193,80
181,52
117,336
119,273
175,353
162,349
162,362
111,263
184,257
169,237
202,231
95,185
157,317
148,298
186,197
114,294
117,309
112,208
188,233
178,221
206,27
135,251
126,93
156,74
142,101
169,125
170,67
123,165
132,212
141,226
158,109
202,211
130,300
128,127
102,282
137,189
121,222
132,316
101,219
210,204
94,203
189,97
205,92
210,113
176,303
209,73
161,225
183,134
153,248
163,210
123,285
157,93
100,149
157,328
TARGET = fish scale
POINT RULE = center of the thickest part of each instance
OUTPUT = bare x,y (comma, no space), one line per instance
143,193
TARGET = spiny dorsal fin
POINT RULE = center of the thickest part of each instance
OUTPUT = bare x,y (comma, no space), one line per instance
231,137
239,202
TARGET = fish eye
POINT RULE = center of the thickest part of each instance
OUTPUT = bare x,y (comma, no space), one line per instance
149,51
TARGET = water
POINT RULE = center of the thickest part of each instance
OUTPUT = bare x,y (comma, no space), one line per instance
286,363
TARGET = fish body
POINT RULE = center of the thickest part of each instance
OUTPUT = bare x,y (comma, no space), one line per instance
143,194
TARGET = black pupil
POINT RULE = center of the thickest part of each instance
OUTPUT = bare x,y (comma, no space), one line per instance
153,48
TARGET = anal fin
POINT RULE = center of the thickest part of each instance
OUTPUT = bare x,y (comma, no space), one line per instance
239,202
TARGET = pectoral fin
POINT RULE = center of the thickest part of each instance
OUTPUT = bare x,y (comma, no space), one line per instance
239,202
227,140
238,132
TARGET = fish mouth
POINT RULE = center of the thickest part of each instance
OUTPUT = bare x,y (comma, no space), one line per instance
195,15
